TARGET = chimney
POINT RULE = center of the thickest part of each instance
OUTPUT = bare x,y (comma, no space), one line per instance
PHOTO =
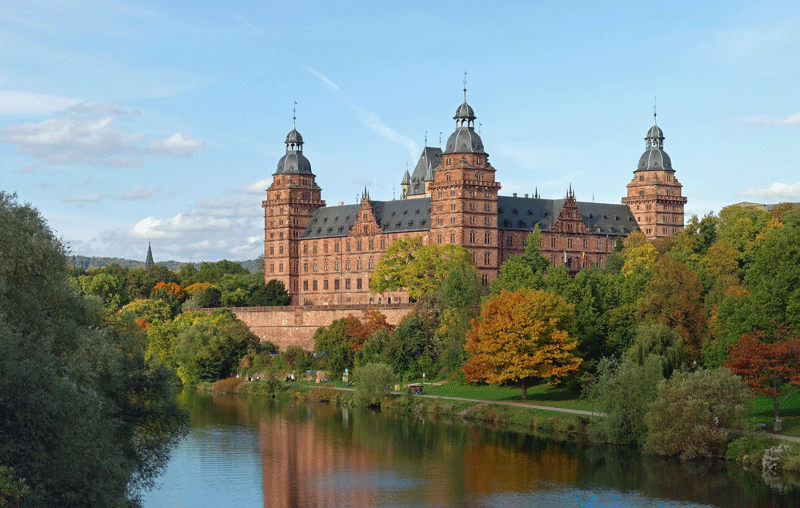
515,194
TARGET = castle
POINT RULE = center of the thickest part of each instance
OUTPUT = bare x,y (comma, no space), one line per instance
324,255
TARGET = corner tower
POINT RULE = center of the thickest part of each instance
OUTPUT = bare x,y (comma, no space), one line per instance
654,194
464,195
291,201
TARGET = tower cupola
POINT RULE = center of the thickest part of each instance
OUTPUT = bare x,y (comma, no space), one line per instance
654,157
464,139
294,162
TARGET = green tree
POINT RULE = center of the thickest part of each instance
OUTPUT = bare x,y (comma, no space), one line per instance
106,286
208,351
525,270
213,272
410,350
624,391
417,268
694,413
522,336
271,294
332,343
373,384
658,341
86,421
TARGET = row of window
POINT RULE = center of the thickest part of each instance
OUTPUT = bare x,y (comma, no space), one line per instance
324,283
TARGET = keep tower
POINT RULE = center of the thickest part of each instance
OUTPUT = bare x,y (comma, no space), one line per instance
464,195
654,194
291,201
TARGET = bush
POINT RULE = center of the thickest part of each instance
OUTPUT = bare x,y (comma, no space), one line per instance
694,411
748,450
229,385
373,383
323,395
624,390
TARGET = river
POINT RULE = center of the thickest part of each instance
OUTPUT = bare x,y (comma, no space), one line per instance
249,452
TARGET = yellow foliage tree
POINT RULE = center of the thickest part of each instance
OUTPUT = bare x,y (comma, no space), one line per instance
522,336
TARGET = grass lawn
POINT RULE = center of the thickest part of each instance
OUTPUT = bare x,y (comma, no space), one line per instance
542,395
789,411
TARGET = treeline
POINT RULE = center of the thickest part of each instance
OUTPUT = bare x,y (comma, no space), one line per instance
251,265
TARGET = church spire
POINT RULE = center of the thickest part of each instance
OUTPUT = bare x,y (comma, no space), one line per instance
148,262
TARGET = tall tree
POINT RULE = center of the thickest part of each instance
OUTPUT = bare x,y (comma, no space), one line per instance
522,336
672,298
525,270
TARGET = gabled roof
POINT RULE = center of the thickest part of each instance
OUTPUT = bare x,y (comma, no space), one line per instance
522,214
393,216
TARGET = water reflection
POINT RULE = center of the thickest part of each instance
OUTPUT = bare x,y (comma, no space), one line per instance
285,454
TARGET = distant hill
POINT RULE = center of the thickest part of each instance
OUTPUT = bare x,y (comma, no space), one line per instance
252,265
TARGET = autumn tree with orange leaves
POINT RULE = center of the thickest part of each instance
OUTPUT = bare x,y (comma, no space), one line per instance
522,336
769,368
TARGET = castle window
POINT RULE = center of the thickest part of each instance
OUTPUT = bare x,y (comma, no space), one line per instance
358,245
347,283
553,259
271,250
305,267
336,247
447,177
325,284
314,247
383,243
452,193
280,249
305,285
486,207
452,206
365,216
553,242
439,194
472,237
371,244
371,263
452,220
272,268
641,178
585,243
314,267
452,238
347,265
472,206
472,220
325,265
487,258
358,264
325,245
599,244
510,241
485,279
280,235
336,284
439,237
314,285
336,265
439,221
569,243
472,193
487,238
487,221
347,246
358,283
365,229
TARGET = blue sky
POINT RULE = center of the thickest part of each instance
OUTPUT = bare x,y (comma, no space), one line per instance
129,122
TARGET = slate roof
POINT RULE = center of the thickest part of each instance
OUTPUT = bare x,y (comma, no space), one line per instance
431,156
522,214
394,216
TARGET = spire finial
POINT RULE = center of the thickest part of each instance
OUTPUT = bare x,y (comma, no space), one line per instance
465,86
426,138
654,110
479,128
440,140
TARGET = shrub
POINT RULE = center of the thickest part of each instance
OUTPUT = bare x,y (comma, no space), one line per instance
323,395
748,450
624,391
373,383
229,385
694,411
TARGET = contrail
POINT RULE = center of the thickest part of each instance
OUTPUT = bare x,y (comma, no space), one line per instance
371,120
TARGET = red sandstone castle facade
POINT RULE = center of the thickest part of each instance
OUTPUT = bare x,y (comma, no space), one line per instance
325,255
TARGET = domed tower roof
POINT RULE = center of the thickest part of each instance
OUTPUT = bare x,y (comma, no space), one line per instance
464,139
294,162
654,157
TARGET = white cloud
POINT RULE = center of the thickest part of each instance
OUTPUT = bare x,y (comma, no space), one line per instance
776,192
258,187
86,198
13,102
140,192
371,120
215,228
179,145
85,133
791,120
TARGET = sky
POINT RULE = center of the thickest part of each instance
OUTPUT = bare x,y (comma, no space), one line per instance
125,123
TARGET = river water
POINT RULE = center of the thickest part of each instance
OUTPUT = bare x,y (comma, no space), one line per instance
250,452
